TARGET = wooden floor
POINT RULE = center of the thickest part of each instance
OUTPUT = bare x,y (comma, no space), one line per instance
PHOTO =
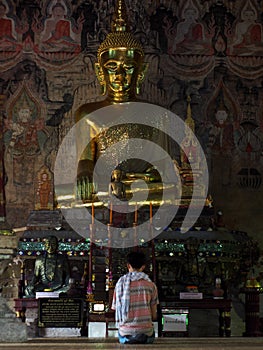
233,343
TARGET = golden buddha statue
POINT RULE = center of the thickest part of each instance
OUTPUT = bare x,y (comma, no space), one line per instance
120,71
116,186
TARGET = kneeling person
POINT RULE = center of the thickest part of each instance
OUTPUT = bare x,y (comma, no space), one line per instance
135,302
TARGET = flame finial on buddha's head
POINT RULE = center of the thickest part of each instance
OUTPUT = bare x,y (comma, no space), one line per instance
120,37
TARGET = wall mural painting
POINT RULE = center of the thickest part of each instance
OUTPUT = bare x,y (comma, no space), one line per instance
57,34
45,29
10,31
188,35
247,36
245,41
25,71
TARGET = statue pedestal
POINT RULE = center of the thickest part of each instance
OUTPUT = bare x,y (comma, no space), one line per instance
31,319
28,311
252,320
119,216
12,329
54,332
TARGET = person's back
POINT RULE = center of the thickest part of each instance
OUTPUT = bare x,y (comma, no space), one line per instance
135,301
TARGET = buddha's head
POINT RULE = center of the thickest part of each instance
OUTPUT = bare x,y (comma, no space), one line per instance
51,244
120,67
116,175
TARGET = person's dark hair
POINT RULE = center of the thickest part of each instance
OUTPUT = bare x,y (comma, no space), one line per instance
3,5
136,259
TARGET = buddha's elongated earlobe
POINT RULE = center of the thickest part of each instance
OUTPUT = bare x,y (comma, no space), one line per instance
141,77
138,88
101,78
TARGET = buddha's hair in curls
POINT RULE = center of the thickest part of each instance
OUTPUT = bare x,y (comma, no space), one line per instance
119,40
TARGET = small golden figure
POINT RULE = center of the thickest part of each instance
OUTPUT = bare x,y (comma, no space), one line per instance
117,187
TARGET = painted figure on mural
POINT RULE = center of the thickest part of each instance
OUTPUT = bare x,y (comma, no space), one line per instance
248,33
221,140
44,191
24,145
24,137
190,35
221,133
59,32
8,35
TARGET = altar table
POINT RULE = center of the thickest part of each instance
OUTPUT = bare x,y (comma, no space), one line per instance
222,305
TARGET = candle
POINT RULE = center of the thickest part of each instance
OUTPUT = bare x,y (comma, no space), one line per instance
111,213
135,235
135,214
92,213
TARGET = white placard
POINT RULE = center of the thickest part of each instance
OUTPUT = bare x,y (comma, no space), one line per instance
175,323
47,295
191,295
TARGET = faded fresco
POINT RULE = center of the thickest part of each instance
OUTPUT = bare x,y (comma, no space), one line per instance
208,50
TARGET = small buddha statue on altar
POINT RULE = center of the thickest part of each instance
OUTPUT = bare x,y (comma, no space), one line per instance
51,272
218,291
117,187
192,277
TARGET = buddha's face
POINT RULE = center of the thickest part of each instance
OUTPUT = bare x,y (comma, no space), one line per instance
190,14
58,12
2,10
44,177
24,115
221,116
51,245
249,16
116,175
121,70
